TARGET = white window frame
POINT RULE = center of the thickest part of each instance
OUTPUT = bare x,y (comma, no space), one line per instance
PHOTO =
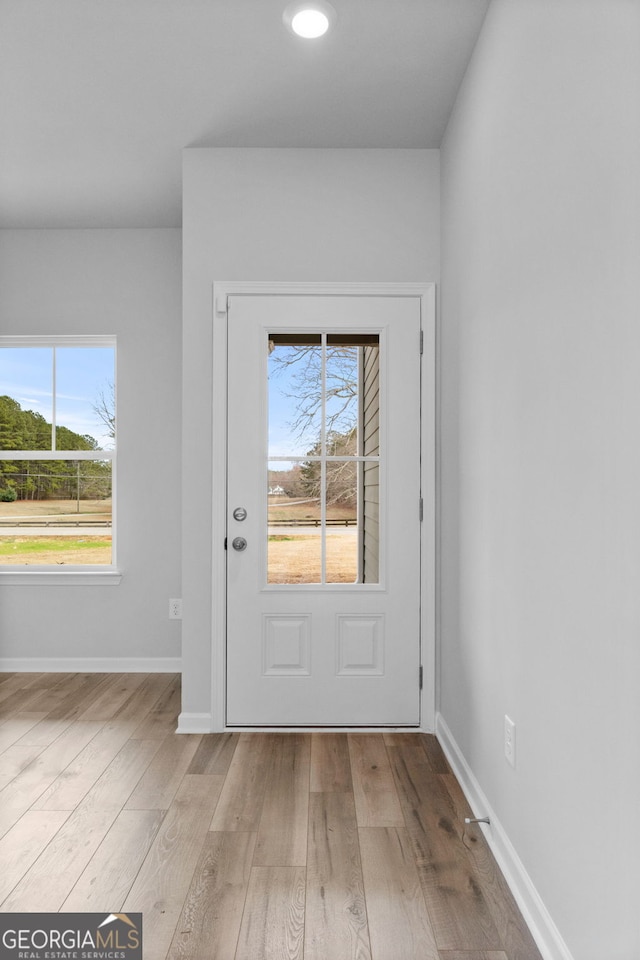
73,574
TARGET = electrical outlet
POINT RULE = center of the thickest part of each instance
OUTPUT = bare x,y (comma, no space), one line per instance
175,609
510,740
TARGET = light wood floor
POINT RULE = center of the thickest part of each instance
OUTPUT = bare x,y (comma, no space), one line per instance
240,846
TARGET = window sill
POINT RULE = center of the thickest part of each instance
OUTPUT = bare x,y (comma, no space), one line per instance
37,577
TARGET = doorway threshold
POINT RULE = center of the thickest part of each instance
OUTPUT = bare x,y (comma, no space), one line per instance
314,728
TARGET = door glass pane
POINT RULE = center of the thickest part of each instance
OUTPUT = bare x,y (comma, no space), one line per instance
342,521
295,394
294,542
324,450
341,401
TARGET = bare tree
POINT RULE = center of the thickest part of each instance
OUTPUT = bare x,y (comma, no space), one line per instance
341,476
105,408
304,365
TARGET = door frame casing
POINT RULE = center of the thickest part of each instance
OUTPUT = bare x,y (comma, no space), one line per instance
426,293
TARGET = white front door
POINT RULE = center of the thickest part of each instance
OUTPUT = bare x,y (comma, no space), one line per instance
323,502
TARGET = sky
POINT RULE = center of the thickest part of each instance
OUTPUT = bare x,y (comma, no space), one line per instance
283,441
82,374
282,412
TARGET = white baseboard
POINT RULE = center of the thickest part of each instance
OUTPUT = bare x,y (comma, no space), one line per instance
195,723
536,915
90,664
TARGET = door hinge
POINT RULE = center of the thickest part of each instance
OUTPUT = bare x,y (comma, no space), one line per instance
222,306
420,680
421,509
421,342
225,543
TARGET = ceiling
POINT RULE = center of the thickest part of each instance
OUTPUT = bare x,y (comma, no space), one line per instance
98,98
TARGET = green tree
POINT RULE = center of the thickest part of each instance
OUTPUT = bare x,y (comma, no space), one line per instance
45,479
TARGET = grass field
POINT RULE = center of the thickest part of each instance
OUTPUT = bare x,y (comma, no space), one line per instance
55,550
59,548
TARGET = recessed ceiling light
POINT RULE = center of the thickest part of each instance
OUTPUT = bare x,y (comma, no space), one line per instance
309,20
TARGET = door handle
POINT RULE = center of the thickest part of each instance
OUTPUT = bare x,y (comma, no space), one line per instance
239,543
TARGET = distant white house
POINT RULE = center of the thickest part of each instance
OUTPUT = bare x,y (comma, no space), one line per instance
276,491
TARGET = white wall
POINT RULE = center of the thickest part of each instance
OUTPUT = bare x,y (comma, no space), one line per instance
289,215
128,283
540,449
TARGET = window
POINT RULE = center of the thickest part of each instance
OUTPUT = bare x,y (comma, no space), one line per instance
323,458
57,453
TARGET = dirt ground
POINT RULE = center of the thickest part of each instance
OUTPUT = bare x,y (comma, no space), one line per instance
297,559
55,508
282,508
